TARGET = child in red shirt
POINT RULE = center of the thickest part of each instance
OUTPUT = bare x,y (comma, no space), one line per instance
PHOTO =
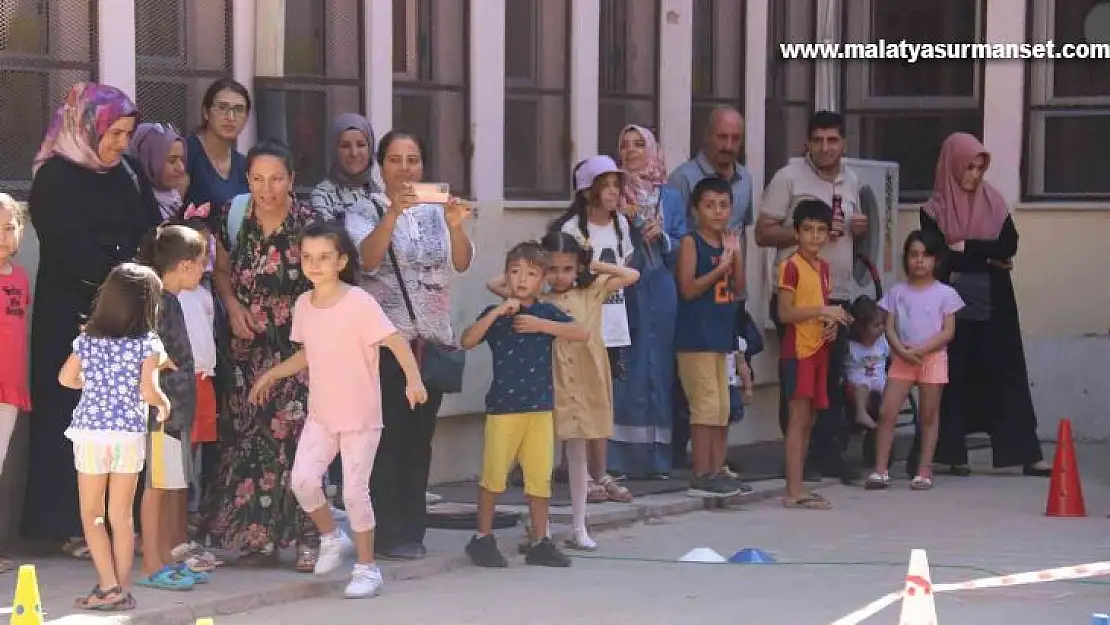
15,305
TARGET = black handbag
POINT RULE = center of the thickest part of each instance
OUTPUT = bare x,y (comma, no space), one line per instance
441,366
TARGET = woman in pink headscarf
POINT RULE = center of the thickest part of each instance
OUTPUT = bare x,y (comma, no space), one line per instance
91,207
988,388
643,373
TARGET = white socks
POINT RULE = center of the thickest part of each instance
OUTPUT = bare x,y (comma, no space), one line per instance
579,476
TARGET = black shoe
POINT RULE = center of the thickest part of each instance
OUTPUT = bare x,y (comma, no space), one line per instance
849,475
811,476
1034,471
712,486
483,552
414,551
735,483
545,553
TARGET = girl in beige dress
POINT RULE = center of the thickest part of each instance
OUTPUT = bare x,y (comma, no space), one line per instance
583,385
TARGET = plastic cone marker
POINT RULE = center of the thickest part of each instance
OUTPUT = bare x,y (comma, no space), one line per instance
205,621
27,605
918,605
751,555
1065,492
704,555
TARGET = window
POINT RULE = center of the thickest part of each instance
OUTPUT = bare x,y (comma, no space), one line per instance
430,85
902,112
1069,108
181,46
45,47
537,99
629,69
789,83
718,62
322,77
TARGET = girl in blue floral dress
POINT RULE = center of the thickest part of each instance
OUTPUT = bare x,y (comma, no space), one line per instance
115,364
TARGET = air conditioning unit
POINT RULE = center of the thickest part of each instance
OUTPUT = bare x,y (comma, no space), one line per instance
880,251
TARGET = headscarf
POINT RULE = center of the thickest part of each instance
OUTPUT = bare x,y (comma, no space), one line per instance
80,122
962,215
654,173
371,178
151,145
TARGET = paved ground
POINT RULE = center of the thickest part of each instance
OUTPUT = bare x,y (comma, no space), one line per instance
987,521
991,522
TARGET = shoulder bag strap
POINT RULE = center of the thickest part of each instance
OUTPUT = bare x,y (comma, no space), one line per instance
396,267
235,218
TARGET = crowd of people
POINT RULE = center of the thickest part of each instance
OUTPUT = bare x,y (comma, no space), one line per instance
206,345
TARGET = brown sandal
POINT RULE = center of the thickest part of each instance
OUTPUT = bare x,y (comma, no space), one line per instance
110,600
596,493
614,491
809,501
306,560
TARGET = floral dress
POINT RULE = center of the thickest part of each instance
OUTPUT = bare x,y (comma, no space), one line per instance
251,506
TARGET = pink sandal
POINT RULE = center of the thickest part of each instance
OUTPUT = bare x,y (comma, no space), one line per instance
614,491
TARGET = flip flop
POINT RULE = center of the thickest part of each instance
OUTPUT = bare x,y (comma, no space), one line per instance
809,501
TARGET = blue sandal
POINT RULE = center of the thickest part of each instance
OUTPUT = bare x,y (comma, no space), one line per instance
198,577
167,579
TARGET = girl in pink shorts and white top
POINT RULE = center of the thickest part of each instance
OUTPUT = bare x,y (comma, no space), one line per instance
340,328
920,322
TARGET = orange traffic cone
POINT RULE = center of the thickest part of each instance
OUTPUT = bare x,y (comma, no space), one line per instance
1065,493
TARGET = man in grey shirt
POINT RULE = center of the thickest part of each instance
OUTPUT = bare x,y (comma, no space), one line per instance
822,176
723,144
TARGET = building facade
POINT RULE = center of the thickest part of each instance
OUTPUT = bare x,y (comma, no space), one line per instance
508,93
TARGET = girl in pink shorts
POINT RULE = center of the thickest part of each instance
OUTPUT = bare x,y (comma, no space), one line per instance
921,320
340,328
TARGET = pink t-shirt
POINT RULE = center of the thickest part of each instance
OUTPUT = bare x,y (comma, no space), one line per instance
15,314
341,342
919,312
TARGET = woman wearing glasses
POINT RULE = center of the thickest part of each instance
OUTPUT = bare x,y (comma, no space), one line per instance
217,172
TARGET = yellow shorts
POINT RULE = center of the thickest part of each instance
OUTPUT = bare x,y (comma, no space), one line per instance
524,437
705,383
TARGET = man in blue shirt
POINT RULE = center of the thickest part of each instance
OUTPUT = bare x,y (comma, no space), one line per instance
519,426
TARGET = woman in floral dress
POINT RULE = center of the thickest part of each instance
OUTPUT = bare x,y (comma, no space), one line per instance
251,509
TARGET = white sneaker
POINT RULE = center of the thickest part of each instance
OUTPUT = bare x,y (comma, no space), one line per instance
431,498
366,581
333,550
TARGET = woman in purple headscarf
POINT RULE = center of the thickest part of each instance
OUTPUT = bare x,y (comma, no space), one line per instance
353,175
160,152
91,207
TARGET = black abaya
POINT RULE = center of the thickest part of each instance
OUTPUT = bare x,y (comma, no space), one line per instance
988,388
87,223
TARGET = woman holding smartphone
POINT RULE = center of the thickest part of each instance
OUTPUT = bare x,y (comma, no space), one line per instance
409,251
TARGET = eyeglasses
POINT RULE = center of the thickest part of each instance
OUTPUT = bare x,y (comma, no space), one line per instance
231,110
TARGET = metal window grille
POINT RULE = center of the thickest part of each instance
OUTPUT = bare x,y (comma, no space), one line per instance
324,76
45,47
181,46
431,84
629,70
537,100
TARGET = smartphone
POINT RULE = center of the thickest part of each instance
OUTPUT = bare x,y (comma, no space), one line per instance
431,192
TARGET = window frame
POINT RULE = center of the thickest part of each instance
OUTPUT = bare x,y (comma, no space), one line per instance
777,74
1040,104
625,97
320,83
699,100
526,90
42,63
854,80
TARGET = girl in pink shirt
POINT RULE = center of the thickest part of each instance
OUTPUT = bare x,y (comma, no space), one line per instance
15,302
340,328
920,321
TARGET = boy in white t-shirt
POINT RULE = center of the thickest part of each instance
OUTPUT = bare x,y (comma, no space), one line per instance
868,352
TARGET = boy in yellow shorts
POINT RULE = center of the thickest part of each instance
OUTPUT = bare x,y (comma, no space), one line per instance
519,427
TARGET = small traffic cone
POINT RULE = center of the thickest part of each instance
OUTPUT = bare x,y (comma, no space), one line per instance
918,605
205,621
27,605
1065,493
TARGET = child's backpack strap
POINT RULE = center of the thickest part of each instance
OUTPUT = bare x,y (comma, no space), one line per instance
235,218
